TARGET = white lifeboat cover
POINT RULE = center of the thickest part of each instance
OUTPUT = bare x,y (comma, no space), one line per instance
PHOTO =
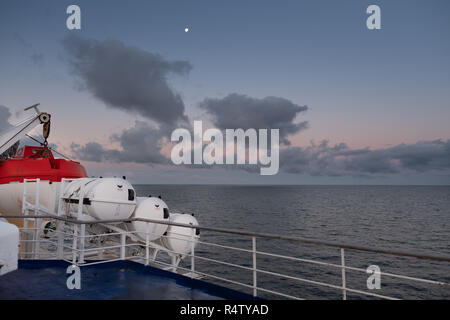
154,209
9,247
106,198
180,239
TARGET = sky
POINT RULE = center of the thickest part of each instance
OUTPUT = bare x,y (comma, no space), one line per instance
353,105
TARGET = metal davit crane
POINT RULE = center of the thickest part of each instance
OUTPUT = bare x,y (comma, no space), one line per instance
13,135
31,162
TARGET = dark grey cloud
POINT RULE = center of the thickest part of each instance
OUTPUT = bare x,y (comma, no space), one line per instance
423,156
94,151
241,111
127,78
340,160
131,79
140,144
4,116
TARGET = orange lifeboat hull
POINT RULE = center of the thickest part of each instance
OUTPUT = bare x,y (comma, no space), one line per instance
34,163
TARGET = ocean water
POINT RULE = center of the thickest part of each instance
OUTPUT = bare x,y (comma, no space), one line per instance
405,218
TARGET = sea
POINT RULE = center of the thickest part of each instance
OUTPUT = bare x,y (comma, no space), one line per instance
414,219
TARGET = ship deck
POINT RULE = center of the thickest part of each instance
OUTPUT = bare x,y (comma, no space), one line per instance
46,279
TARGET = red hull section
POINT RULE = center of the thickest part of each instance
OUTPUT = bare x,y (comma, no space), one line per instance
38,162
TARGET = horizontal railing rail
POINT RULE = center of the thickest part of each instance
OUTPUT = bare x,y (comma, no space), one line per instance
75,252
247,233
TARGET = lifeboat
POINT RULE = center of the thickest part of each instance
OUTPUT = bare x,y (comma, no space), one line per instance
32,173
32,162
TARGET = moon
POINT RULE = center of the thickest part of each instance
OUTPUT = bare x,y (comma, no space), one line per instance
186,29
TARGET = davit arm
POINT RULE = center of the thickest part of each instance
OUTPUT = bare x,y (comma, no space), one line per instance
9,137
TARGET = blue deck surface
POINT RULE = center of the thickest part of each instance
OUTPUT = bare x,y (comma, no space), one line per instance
46,279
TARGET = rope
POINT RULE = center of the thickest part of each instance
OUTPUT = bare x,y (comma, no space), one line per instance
45,145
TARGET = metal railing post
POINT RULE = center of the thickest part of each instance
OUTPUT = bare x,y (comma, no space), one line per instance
26,246
82,242
74,244
60,245
24,204
82,227
123,241
37,222
255,293
192,252
344,291
60,224
147,240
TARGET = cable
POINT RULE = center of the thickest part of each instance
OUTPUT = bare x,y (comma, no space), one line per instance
41,143
20,130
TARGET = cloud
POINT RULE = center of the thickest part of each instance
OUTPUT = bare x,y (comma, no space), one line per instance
133,80
128,78
4,116
241,111
340,160
423,156
141,144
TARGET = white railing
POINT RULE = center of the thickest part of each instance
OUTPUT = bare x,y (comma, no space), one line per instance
71,242
116,247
